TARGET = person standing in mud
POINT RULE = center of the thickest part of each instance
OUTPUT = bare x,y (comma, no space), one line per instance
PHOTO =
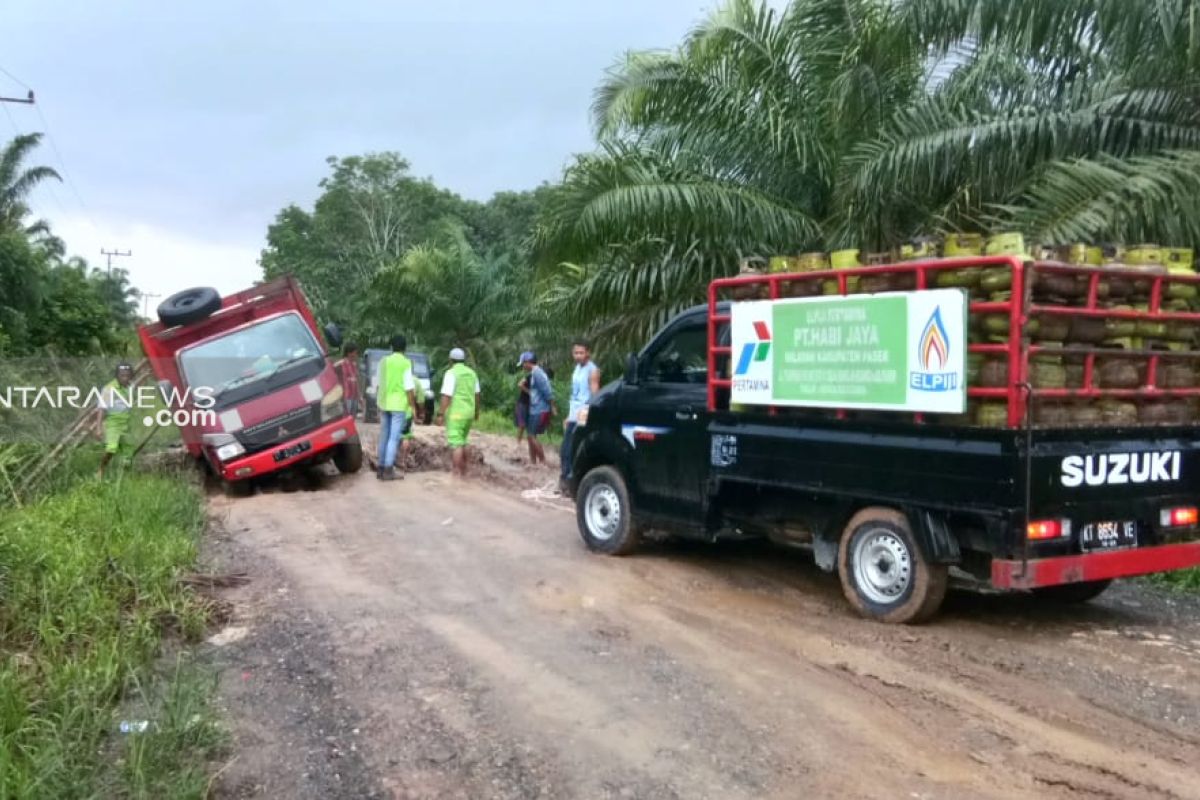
114,417
397,402
460,408
541,406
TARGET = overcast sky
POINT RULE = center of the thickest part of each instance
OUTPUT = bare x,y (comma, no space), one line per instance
182,128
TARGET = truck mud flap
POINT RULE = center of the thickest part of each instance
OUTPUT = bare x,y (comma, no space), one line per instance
934,536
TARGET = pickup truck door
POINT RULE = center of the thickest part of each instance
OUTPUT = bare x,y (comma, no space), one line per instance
664,419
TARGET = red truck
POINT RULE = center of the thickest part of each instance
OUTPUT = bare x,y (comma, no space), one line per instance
251,379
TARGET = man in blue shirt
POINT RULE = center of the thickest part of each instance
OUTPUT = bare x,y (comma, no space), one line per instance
541,406
585,382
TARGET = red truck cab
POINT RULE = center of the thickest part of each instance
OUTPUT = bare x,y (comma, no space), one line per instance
250,379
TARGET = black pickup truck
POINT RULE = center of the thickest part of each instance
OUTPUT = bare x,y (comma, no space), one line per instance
890,501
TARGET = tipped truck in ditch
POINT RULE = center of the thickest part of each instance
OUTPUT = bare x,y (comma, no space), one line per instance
255,363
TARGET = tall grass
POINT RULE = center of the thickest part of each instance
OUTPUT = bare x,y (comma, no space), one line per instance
87,587
1184,580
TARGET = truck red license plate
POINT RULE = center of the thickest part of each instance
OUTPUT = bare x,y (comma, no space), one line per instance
1107,535
294,450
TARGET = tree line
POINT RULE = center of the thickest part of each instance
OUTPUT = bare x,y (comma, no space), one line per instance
49,302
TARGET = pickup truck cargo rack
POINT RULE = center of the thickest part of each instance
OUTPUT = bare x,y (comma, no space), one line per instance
1020,308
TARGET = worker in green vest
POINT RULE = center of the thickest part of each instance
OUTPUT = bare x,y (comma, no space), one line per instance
397,402
460,408
114,410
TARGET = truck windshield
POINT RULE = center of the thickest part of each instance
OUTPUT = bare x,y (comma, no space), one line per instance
420,365
249,355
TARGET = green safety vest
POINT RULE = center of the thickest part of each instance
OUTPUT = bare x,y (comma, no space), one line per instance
124,394
392,396
462,402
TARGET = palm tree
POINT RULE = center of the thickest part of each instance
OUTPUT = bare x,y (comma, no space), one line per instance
861,123
452,296
17,181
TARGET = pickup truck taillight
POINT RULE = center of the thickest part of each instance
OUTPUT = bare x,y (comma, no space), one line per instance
1044,529
1182,517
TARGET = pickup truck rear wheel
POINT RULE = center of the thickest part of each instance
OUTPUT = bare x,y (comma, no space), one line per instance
348,457
884,574
604,513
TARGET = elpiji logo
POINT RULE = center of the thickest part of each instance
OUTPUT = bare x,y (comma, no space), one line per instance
933,353
755,352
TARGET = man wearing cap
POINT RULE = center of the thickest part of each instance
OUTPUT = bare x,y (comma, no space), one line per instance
114,414
460,408
541,405
397,401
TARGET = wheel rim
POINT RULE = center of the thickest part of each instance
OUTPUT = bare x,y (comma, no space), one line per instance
603,512
882,566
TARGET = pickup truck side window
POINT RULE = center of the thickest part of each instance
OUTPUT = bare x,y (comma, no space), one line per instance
681,359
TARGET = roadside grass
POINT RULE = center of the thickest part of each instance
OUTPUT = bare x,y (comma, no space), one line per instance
87,591
1184,580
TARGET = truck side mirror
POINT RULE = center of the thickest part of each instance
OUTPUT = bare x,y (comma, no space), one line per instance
631,369
333,334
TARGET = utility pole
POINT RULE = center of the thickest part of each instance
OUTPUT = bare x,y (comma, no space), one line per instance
27,100
114,253
146,297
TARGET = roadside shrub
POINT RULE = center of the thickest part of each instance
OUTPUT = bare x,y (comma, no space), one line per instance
87,586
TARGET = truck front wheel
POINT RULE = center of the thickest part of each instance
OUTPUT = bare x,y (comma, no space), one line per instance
884,574
347,457
604,513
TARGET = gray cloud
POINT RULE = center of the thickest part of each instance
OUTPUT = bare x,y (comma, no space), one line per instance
202,120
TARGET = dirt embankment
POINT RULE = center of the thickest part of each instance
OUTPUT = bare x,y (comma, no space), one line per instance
433,638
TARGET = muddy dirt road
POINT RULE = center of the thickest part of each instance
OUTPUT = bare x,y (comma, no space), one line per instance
427,638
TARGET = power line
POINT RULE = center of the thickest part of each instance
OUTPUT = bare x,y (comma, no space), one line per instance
114,254
22,83
17,130
27,100
146,297
63,162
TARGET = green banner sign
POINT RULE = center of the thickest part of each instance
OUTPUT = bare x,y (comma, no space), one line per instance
903,351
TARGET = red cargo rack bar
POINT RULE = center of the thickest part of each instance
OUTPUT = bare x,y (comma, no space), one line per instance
1020,310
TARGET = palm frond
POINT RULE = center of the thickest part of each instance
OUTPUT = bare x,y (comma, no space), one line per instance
1148,198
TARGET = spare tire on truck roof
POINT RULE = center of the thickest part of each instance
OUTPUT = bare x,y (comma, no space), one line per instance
190,305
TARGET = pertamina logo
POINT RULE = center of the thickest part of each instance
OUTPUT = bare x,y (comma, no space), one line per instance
933,354
755,352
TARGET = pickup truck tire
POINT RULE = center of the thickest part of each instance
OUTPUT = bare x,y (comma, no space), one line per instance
604,513
188,306
884,574
1072,592
348,457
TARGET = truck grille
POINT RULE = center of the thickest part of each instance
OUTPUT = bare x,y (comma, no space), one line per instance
279,429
